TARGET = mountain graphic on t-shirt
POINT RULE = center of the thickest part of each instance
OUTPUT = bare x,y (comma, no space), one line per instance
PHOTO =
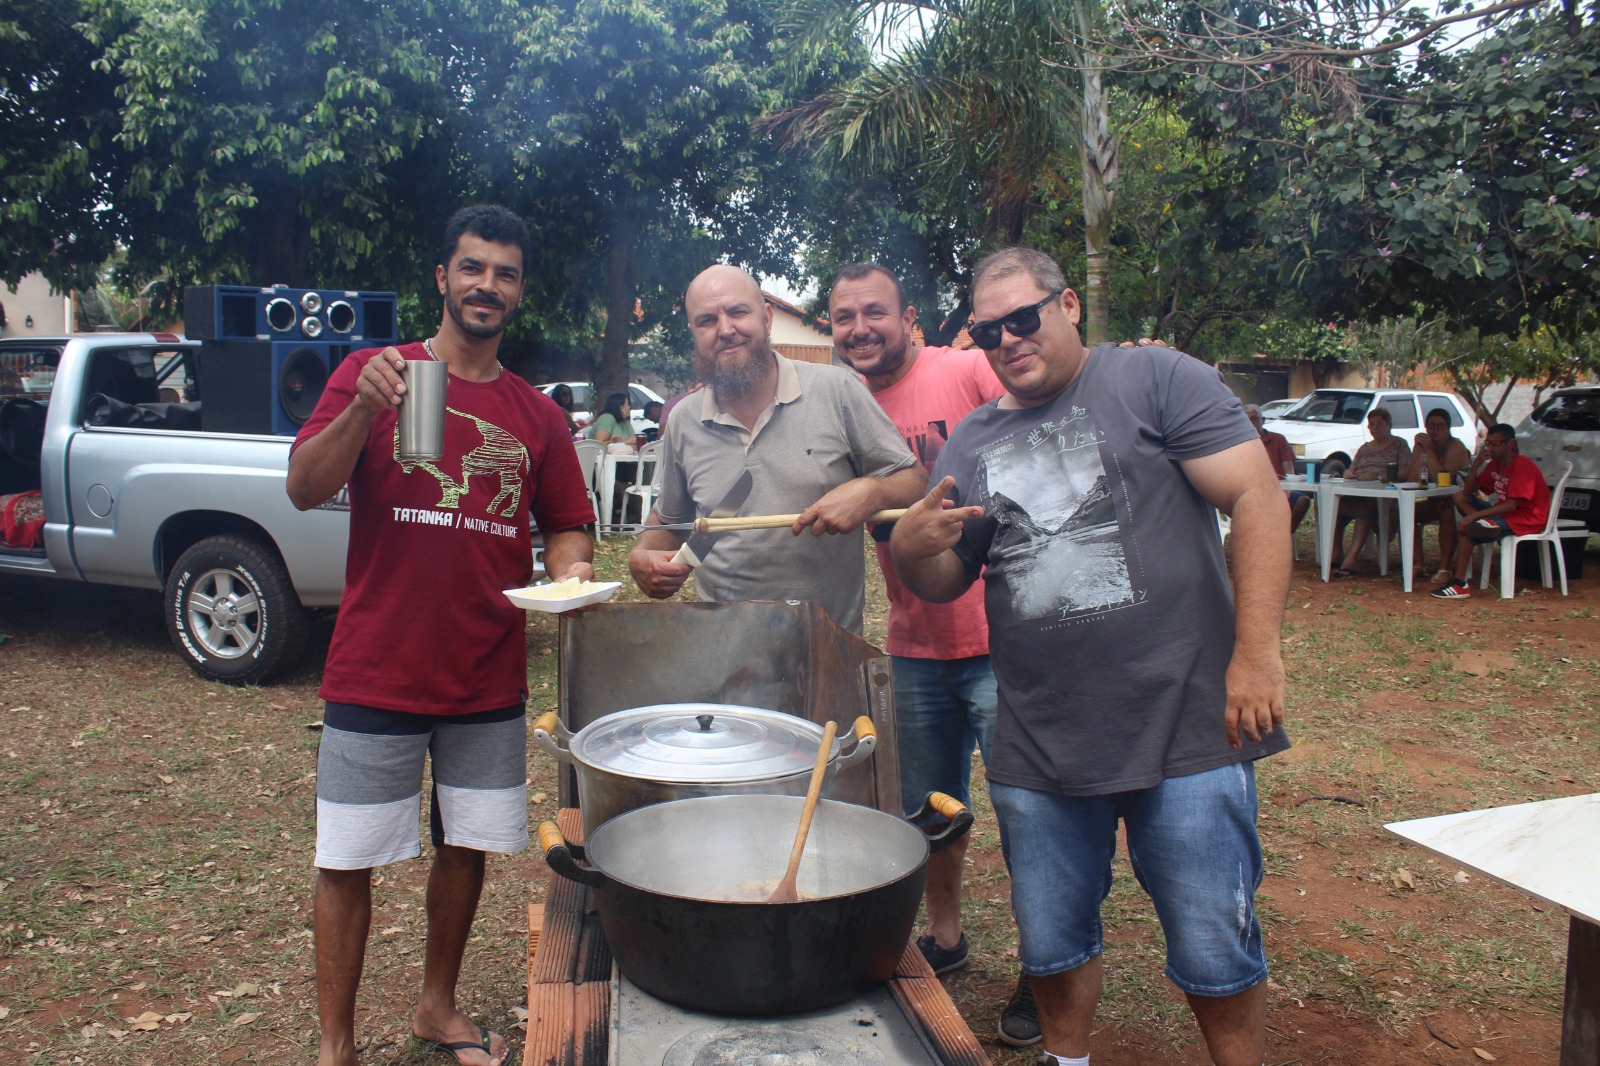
1094,508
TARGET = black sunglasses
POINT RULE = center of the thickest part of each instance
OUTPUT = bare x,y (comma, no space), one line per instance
1023,322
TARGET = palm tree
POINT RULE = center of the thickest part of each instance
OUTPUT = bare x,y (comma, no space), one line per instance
975,97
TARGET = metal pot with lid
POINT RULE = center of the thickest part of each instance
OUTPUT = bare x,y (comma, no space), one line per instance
671,751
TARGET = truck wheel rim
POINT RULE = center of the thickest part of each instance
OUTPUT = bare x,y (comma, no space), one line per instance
224,614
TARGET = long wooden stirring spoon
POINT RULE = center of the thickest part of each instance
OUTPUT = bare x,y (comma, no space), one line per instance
787,892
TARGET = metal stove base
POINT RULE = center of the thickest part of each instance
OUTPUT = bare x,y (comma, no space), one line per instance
870,1030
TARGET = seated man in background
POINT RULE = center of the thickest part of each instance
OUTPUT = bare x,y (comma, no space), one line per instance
1281,455
652,413
1505,494
1437,452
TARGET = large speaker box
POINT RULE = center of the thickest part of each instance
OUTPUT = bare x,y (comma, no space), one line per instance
261,313
264,386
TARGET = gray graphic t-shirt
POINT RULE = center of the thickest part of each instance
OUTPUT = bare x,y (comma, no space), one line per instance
1110,611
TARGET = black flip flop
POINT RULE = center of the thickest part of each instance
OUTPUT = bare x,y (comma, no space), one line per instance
1340,573
454,1046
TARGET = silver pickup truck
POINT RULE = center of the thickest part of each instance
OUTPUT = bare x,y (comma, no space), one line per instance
106,429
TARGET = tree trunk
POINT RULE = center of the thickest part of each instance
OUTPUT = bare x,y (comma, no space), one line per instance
281,244
1100,162
612,372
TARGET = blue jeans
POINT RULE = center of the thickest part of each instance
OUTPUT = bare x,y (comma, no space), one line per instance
942,708
1194,848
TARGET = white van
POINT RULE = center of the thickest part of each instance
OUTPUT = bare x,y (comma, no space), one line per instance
1330,424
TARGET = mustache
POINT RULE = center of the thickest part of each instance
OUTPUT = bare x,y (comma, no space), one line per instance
485,299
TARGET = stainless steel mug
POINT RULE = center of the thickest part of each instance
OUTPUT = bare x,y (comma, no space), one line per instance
421,415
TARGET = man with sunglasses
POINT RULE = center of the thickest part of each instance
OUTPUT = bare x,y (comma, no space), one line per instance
944,692
1133,687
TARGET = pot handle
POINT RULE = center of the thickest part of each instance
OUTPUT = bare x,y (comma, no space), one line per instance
552,736
866,738
943,820
568,860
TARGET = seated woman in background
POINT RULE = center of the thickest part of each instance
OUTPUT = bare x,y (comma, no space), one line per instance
615,423
1370,464
562,395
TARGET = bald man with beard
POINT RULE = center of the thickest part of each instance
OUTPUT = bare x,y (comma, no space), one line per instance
815,442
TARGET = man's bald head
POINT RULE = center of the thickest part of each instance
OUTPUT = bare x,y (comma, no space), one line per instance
732,326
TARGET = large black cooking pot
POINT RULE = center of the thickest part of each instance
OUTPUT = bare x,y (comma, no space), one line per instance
681,890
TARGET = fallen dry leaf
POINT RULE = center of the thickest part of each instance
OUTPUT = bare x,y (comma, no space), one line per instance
1403,878
1482,1054
246,988
1461,877
246,1019
145,1022
165,779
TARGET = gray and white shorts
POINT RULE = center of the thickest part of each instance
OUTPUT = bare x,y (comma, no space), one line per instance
369,783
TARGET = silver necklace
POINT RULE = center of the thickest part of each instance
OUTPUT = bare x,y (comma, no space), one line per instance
427,346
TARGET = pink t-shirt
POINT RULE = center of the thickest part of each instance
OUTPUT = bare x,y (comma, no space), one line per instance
925,405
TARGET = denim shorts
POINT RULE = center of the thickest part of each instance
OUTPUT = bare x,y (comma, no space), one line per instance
1194,848
1495,527
942,708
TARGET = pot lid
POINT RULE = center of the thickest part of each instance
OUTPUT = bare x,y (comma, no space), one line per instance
700,743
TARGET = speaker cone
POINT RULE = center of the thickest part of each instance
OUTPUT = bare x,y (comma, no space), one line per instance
312,327
301,379
281,315
341,317
311,302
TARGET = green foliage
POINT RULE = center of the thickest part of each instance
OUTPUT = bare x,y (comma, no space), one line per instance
274,142
58,121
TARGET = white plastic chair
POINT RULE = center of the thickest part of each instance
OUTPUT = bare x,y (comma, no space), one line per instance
589,453
1555,528
648,486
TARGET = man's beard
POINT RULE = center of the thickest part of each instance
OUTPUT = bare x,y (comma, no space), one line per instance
483,330
741,381
891,360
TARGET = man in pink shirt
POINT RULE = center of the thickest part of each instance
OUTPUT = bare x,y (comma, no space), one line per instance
943,686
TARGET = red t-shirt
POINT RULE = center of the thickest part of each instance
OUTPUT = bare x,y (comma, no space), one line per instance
422,625
1520,480
1279,451
925,405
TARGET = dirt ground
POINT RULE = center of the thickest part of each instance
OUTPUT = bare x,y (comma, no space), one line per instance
155,858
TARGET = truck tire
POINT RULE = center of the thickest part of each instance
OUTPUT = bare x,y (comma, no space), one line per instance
233,612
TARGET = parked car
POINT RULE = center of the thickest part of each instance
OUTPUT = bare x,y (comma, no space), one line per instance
1565,428
1330,424
1275,408
584,406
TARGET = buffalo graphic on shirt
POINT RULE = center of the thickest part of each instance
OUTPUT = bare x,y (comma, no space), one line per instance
1057,528
500,456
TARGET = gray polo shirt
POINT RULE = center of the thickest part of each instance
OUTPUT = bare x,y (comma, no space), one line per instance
823,430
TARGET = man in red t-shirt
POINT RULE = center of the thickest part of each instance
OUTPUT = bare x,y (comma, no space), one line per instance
1504,495
944,687
428,659
1281,456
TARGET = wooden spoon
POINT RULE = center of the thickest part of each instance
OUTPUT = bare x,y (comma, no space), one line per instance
787,892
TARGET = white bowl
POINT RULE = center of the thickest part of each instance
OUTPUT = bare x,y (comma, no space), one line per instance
529,599
1294,477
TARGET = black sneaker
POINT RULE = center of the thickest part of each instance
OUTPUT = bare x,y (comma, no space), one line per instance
1019,1022
943,960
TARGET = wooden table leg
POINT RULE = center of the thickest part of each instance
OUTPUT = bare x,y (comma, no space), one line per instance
1580,1018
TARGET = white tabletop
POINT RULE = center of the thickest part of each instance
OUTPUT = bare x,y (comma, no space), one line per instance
1550,850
